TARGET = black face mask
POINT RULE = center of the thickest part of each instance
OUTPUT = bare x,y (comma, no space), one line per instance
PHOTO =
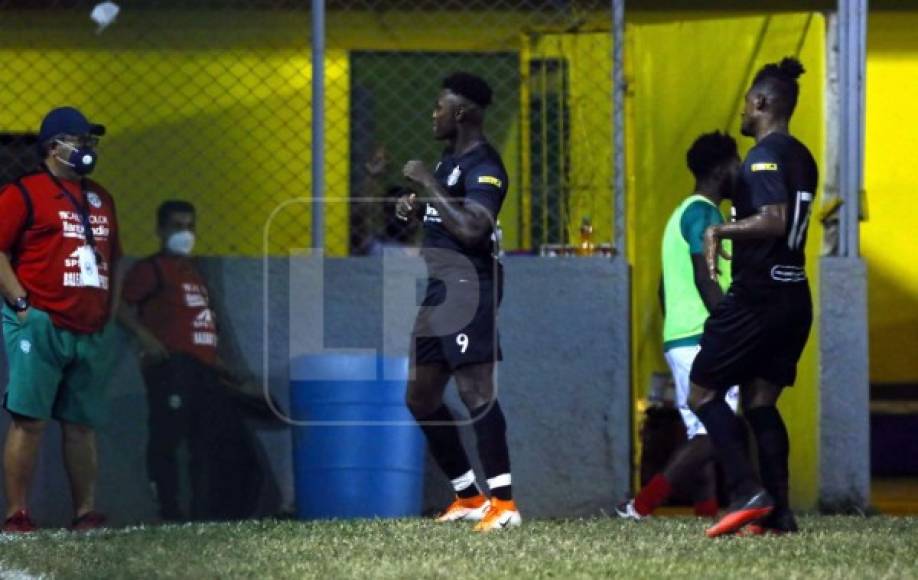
81,159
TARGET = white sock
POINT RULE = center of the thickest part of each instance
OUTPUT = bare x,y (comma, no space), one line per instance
464,481
501,480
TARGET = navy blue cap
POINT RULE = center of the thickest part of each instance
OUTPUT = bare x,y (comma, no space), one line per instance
67,121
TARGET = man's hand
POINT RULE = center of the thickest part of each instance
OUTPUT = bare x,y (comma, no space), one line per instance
713,250
404,207
151,349
417,172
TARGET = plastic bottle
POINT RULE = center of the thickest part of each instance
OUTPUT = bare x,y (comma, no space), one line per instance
586,246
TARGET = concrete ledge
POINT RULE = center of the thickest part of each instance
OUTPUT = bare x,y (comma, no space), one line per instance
844,426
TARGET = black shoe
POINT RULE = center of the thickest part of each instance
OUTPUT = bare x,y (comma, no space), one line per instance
777,522
89,521
742,512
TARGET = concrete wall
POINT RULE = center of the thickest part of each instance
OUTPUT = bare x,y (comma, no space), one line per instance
844,404
564,384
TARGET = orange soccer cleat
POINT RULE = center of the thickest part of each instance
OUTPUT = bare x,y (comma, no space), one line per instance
742,513
471,509
502,514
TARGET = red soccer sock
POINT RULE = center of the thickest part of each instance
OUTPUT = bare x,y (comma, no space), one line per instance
707,508
653,495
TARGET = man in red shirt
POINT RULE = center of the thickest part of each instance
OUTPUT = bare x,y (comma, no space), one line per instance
59,248
170,296
166,305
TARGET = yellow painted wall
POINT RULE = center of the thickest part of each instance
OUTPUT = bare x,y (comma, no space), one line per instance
679,88
590,178
221,119
215,107
453,31
889,237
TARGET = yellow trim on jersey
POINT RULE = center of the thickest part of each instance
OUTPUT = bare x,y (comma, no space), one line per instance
490,180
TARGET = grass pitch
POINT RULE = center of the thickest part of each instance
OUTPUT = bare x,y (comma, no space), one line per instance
828,547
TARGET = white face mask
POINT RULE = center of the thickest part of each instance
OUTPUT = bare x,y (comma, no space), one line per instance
181,243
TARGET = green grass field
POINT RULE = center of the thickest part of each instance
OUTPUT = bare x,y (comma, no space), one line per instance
828,547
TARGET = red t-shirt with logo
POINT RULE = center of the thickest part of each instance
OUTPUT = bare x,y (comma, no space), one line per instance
45,249
174,304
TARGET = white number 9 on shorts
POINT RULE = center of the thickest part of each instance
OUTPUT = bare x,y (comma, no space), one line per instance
463,341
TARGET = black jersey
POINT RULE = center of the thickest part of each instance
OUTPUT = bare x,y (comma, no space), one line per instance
479,176
779,169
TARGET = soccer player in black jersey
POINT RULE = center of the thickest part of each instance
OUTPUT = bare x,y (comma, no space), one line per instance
455,333
756,335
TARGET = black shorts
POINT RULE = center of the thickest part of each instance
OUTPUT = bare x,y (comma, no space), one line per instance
461,328
755,333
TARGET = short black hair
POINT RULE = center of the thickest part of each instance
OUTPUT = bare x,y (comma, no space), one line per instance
779,79
167,208
472,87
710,151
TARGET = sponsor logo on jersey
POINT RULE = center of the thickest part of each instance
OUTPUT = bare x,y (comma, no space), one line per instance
781,273
764,167
75,280
204,339
487,179
195,296
72,226
432,215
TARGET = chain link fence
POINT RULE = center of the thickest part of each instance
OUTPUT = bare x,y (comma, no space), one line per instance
210,101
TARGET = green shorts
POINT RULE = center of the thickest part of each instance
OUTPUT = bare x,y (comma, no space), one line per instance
56,373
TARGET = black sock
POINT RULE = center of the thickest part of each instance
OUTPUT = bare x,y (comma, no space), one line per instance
726,432
491,432
446,448
773,447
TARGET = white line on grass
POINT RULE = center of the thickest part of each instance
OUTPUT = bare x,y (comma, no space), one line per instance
13,574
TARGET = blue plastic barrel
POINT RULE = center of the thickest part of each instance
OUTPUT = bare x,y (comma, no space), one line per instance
361,455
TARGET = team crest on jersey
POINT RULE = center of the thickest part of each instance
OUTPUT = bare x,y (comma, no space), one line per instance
453,178
94,200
